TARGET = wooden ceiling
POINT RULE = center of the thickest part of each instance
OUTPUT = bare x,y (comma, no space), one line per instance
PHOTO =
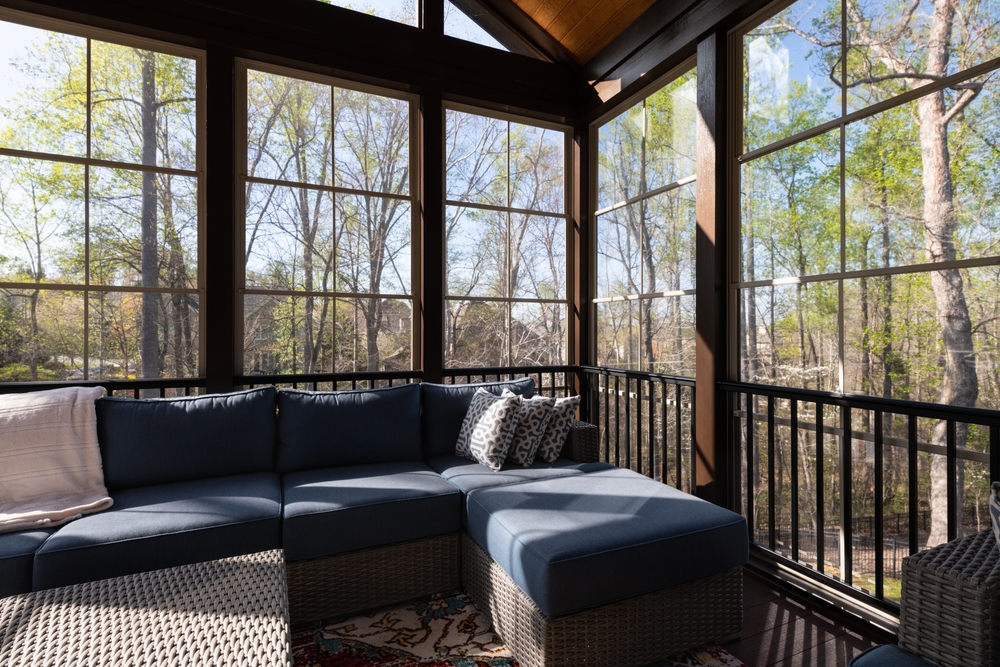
583,27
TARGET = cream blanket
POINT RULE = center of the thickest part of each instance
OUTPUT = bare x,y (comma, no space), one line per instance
50,463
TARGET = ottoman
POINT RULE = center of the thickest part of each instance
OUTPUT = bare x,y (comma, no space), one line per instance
608,568
950,608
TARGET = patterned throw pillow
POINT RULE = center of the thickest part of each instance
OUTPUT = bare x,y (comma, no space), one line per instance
488,428
536,412
995,509
555,433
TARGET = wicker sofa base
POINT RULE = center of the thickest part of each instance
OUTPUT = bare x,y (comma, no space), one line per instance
348,583
637,631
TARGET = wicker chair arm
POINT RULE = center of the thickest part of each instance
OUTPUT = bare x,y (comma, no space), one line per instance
581,443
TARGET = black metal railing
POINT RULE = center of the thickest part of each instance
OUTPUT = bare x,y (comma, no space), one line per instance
331,381
879,474
162,388
549,380
645,422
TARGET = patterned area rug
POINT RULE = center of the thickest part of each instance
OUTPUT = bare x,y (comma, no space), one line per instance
443,631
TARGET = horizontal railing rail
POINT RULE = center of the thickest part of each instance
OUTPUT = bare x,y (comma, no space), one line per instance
162,387
835,460
645,422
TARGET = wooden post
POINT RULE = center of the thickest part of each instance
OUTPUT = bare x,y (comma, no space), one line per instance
712,320
219,305
431,296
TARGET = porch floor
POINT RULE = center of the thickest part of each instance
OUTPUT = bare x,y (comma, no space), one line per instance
781,630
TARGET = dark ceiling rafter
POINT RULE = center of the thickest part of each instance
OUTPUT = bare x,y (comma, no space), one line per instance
361,47
506,21
663,39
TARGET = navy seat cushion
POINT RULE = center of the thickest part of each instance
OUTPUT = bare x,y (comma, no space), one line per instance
888,655
335,510
166,525
467,475
339,428
17,552
444,407
578,541
160,441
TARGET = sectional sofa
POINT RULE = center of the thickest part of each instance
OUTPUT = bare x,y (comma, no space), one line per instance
363,492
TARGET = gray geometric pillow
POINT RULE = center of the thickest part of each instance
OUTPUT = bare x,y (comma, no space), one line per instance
995,509
488,428
536,412
558,428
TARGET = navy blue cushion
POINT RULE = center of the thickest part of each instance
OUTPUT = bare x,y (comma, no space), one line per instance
888,655
164,526
467,475
159,441
600,529
17,551
341,509
444,407
342,428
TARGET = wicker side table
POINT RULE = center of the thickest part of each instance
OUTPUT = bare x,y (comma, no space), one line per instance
226,612
950,609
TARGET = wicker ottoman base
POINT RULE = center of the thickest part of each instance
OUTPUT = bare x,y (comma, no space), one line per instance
950,608
348,583
637,631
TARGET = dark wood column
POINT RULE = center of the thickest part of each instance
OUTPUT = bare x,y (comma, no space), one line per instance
431,292
218,306
579,257
712,320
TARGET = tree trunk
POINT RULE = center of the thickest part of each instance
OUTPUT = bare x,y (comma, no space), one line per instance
960,386
150,348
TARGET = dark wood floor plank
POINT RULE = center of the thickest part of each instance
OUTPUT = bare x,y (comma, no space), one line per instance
782,631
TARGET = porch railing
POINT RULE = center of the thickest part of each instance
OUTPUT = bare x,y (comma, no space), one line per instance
854,465
162,388
645,422
549,380
331,381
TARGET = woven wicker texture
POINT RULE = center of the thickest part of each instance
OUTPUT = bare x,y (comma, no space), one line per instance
582,445
637,631
950,608
226,612
348,583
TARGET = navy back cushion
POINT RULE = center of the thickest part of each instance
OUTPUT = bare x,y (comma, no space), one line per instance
445,405
340,428
164,440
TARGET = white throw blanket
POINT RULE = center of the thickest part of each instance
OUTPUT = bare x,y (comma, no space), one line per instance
50,463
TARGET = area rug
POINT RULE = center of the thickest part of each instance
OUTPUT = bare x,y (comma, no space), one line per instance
444,630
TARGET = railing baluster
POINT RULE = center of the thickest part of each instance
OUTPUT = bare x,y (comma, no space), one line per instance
912,492
820,518
651,430
879,506
607,417
793,410
664,463
771,539
678,440
952,461
628,422
618,415
691,449
638,425
750,469
846,501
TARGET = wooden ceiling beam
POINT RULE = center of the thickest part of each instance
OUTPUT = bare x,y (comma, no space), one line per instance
339,42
